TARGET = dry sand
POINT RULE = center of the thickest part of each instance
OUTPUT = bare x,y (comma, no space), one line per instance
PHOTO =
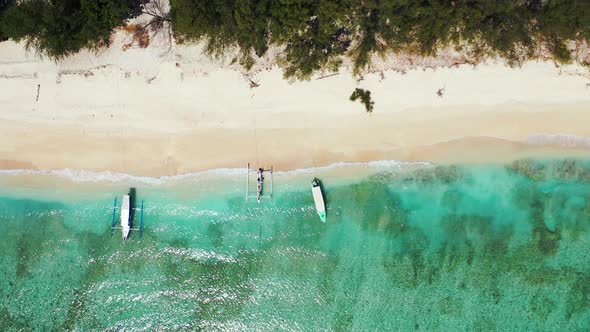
159,112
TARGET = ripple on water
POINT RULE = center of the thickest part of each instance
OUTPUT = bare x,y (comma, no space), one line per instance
479,247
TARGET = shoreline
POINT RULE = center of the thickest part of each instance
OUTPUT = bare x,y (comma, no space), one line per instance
444,137
75,185
468,151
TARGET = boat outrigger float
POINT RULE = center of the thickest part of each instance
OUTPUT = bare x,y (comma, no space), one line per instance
127,215
318,198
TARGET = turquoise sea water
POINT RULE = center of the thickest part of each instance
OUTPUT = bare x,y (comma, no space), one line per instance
487,247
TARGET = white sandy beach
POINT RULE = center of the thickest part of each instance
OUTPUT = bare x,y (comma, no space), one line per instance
158,112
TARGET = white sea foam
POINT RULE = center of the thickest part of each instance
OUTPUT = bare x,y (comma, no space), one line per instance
372,164
564,140
199,254
78,175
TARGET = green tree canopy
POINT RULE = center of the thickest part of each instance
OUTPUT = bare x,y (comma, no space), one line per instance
364,96
315,34
61,27
4,4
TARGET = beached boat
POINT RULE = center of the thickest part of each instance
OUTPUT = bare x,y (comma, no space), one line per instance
259,184
125,216
261,191
318,198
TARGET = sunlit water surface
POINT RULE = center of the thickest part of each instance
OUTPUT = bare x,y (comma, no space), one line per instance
487,247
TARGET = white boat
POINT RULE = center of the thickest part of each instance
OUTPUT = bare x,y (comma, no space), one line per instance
318,198
125,217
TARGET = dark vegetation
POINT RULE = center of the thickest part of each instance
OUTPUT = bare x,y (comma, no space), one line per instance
317,35
62,27
365,98
4,4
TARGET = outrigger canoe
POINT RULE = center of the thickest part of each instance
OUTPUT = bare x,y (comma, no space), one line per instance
318,198
127,209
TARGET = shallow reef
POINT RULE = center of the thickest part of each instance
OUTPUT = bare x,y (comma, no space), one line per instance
480,247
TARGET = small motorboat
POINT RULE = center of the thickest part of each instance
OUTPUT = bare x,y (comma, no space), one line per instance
318,198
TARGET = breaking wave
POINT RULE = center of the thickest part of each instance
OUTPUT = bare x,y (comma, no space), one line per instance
78,175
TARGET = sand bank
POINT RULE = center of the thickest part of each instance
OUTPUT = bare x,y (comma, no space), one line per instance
156,112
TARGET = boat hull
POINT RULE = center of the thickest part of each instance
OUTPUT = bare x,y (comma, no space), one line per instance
318,198
125,217
322,215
